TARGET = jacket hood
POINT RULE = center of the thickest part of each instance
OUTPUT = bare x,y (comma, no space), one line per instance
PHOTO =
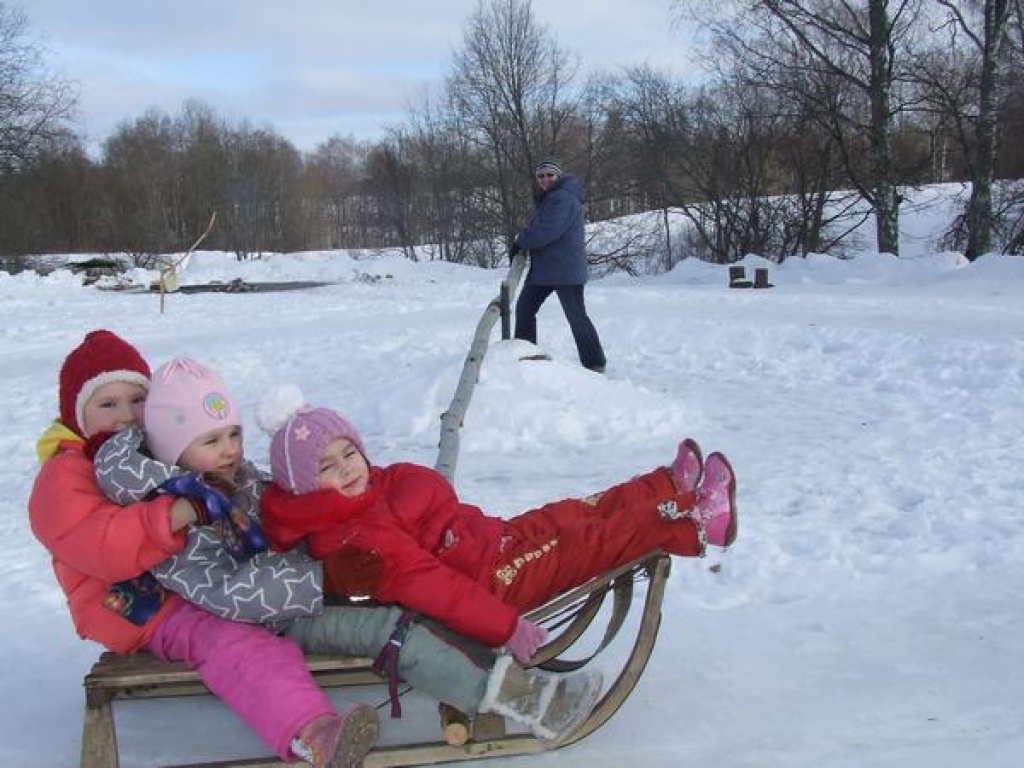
567,184
571,184
49,442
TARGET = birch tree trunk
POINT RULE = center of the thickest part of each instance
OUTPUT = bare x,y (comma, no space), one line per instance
980,218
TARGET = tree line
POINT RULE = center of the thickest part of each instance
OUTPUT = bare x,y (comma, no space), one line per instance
812,115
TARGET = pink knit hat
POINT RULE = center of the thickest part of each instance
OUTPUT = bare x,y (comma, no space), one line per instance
186,400
300,434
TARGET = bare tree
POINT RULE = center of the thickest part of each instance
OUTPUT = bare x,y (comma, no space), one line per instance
459,209
810,162
332,183
255,184
142,169
859,48
983,24
35,104
509,86
52,203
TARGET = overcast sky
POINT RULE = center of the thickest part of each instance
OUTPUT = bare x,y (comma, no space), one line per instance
308,68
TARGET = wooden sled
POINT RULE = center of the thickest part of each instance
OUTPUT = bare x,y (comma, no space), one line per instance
117,677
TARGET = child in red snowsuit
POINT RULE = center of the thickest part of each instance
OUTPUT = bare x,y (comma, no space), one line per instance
446,558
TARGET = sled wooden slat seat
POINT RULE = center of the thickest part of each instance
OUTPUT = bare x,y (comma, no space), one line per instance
117,677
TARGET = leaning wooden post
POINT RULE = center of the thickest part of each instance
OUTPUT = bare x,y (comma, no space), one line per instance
451,420
169,275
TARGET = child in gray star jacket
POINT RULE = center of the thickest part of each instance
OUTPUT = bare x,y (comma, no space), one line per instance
226,569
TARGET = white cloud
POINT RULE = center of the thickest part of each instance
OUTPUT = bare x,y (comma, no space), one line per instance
309,69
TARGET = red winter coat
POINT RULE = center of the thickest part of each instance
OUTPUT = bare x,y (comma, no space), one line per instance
436,551
95,543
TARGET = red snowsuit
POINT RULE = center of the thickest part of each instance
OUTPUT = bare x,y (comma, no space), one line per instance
474,572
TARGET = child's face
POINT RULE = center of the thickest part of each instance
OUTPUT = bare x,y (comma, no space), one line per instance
343,468
112,407
218,452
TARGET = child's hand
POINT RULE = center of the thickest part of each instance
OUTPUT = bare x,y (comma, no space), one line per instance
240,534
526,639
213,503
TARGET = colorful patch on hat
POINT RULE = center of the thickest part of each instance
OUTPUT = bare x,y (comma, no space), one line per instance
216,406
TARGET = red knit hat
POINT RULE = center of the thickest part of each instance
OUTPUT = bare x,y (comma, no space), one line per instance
101,358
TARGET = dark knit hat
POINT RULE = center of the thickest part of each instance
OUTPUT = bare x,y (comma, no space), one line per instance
101,358
548,164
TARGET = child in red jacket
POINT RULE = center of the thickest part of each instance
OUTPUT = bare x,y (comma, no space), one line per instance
449,560
102,551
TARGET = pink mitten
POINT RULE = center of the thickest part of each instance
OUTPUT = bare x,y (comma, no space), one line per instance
525,640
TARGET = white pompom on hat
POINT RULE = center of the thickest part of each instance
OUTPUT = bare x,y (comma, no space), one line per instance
277,406
299,435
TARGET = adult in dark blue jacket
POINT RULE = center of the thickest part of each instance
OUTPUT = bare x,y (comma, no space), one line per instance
558,261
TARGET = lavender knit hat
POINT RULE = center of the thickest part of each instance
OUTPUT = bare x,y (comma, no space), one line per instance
299,435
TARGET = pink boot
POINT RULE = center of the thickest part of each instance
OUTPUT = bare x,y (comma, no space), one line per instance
332,741
687,467
715,511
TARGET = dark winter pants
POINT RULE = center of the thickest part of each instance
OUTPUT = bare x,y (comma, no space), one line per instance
571,298
563,544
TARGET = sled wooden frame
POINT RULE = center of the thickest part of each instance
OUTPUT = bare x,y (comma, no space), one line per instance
140,676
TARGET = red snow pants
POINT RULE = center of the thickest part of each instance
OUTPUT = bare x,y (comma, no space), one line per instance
559,546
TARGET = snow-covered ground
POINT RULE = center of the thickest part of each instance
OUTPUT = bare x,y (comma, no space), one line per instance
869,615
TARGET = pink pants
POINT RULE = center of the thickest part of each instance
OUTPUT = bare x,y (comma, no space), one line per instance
263,678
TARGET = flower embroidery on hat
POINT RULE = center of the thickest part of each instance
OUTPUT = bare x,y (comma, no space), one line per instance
216,406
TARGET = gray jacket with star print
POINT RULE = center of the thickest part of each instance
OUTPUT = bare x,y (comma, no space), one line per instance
268,588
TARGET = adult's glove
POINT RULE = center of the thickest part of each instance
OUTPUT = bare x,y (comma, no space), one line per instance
525,640
352,572
513,250
211,505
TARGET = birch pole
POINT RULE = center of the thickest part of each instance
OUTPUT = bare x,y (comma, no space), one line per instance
452,419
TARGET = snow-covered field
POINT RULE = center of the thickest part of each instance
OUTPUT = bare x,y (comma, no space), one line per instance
869,614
